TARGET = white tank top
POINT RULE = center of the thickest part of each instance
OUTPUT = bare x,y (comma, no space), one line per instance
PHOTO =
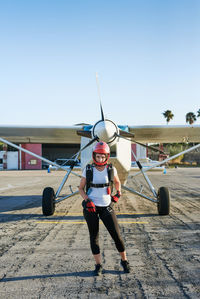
99,196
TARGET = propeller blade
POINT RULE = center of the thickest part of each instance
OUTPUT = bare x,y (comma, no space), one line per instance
129,135
88,144
84,133
150,147
82,124
102,114
98,87
126,134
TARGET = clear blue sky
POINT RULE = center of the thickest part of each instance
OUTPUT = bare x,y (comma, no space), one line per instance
146,53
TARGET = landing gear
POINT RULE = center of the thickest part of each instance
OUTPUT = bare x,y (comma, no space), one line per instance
163,204
48,201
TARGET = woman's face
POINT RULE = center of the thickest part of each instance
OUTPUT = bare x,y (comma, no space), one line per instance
100,157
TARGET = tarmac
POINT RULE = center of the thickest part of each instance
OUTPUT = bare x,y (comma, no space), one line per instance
50,257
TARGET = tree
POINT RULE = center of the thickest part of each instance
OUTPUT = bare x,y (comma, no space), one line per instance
168,115
198,113
190,118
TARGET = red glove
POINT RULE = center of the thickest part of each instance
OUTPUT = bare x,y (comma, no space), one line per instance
116,197
89,205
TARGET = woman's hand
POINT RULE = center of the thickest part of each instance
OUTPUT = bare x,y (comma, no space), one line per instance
116,197
89,205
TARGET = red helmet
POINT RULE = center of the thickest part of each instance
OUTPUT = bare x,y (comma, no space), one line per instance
101,148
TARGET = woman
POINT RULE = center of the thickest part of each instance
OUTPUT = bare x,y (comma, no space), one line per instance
97,203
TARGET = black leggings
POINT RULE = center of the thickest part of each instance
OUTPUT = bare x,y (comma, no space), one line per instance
107,215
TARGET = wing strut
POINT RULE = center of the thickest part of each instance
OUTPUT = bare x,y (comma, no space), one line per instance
126,135
170,158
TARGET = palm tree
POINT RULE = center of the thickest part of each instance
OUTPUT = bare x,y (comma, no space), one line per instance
198,113
190,118
168,115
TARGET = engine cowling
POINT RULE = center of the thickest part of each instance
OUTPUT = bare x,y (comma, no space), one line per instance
106,131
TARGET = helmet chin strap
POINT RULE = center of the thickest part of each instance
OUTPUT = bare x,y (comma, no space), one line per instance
101,165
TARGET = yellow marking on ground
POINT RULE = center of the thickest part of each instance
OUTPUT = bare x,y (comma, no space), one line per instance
66,222
118,214
81,214
68,214
140,222
80,222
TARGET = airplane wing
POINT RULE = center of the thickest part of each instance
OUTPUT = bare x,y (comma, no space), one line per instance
166,134
20,134
72,134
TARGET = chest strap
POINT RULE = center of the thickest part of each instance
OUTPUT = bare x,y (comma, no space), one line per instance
89,177
99,185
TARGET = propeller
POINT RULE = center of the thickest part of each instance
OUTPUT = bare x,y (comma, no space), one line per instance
114,132
126,135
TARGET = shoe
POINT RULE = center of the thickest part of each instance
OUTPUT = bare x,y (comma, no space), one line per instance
126,266
98,270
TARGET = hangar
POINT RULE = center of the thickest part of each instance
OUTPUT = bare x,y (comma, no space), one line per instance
11,159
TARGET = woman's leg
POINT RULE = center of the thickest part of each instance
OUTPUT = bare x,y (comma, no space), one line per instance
109,219
123,256
92,220
97,258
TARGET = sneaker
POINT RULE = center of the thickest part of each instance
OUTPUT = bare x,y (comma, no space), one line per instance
126,266
98,270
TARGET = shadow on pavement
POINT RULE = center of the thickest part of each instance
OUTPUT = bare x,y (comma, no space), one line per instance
13,203
133,216
22,203
39,217
72,274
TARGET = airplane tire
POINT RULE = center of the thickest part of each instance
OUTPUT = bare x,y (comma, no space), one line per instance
48,203
163,201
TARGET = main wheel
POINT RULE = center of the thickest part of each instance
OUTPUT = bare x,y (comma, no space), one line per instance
48,201
163,201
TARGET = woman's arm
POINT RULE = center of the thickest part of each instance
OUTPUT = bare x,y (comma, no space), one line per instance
82,188
117,183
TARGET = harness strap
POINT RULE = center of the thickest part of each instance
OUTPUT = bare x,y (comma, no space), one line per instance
110,176
89,178
99,185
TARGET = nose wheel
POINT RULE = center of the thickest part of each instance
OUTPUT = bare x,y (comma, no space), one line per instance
163,204
48,201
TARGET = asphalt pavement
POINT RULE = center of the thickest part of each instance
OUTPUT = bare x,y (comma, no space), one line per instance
50,257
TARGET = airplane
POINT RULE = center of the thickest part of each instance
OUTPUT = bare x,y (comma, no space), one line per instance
119,138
